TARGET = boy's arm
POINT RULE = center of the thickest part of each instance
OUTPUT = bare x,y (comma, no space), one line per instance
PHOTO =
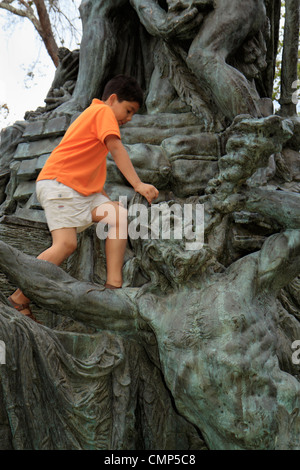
123,162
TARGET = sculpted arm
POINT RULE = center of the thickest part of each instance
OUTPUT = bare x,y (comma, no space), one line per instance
160,23
51,287
151,15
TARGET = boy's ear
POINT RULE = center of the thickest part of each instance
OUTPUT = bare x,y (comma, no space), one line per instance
111,99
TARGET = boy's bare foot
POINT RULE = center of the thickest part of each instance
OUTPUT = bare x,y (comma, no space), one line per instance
24,309
109,286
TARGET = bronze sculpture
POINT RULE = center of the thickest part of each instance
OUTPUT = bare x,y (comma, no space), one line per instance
217,323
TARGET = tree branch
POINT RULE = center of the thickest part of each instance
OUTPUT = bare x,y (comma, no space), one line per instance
16,11
46,32
41,24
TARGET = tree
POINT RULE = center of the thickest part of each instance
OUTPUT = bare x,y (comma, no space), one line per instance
49,18
290,64
277,76
285,59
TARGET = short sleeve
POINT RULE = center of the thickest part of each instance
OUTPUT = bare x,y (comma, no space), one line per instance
106,124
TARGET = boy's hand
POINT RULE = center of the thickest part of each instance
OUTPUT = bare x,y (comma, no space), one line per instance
147,190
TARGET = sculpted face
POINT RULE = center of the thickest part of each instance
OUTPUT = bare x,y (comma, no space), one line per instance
217,346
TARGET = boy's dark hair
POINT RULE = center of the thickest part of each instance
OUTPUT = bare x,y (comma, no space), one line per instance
126,88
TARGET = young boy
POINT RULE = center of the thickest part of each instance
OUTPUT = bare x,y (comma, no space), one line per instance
70,186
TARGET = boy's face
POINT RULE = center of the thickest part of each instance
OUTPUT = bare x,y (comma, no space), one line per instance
123,110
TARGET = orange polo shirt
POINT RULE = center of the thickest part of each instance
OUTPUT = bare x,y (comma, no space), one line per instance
79,161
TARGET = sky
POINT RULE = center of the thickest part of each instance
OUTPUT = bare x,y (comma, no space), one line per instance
26,69
21,53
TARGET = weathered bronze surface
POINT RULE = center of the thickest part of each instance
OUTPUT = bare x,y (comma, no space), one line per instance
197,350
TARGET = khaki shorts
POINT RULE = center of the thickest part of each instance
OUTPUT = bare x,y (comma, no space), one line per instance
64,207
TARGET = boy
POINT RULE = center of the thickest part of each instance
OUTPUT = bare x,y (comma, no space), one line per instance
70,186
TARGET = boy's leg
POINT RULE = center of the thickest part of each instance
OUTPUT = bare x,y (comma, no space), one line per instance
115,216
64,243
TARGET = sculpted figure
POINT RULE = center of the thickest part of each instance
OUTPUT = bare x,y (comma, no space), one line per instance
208,33
213,335
221,33
216,332
63,83
112,43
223,338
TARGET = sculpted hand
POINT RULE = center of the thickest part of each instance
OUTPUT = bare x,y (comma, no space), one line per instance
175,22
174,5
147,190
181,24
